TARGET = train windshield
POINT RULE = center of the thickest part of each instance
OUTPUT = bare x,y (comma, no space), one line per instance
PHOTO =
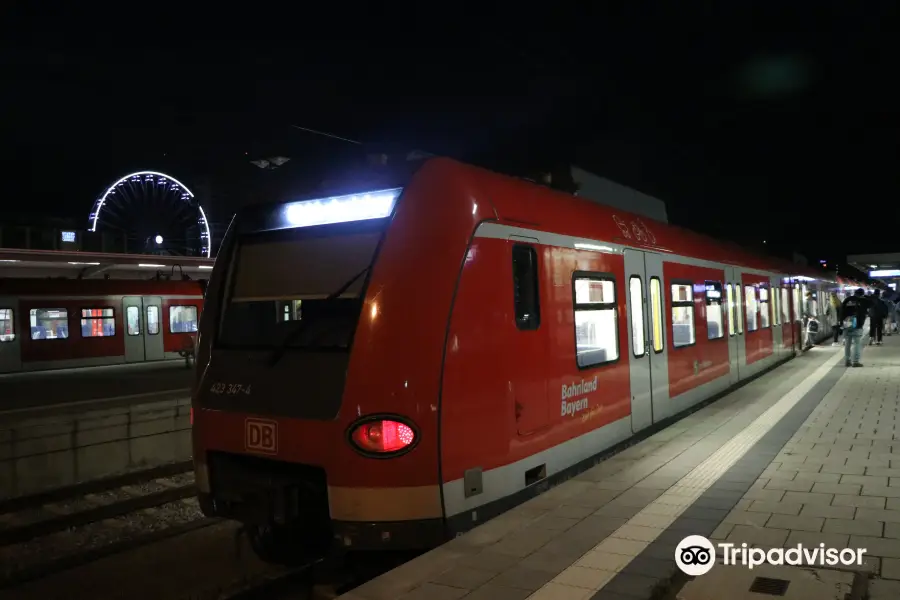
300,271
302,290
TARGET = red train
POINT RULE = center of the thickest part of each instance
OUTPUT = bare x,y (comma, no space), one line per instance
387,369
62,323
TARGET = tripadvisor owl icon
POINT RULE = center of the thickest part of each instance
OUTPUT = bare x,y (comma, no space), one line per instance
695,555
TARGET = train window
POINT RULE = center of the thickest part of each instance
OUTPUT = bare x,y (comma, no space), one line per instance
7,325
525,287
729,292
739,308
683,333
152,320
98,322
763,307
715,320
133,320
797,303
49,323
596,331
636,296
785,305
656,314
776,312
752,308
182,319
290,309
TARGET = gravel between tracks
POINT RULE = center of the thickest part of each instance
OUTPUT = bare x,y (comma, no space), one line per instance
16,557
92,501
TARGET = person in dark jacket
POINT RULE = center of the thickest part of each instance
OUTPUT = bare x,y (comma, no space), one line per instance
878,312
854,310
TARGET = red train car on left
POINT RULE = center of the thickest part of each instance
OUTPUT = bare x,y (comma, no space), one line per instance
64,323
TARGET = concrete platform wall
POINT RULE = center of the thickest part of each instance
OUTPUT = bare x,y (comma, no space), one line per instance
45,451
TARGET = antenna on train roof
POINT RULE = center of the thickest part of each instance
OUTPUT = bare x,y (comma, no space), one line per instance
326,134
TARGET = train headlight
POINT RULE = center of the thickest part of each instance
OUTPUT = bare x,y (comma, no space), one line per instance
383,436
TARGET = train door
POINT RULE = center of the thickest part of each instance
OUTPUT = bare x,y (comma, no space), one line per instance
775,316
797,316
153,336
739,319
10,336
645,316
735,339
133,307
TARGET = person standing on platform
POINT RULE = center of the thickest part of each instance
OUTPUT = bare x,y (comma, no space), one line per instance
853,316
834,312
877,313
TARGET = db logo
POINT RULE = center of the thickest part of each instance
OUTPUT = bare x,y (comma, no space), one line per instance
261,436
695,555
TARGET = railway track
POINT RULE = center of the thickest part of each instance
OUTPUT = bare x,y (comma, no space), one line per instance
67,530
319,580
62,529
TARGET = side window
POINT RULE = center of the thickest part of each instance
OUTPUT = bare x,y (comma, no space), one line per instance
739,308
153,320
752,308
49,323
683,333
525,287
182,319
7,325
133,320
596,329
656,314
785,305
729,289
98,322
797,307
636,297
715,319
763,307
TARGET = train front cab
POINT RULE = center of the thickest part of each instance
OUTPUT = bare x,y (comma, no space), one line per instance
364,360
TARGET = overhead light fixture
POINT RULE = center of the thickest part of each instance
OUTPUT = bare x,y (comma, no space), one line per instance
341,209
151,265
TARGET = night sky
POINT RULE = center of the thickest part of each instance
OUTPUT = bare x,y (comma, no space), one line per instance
752,126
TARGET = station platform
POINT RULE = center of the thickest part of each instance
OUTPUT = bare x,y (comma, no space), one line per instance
137,382
808,453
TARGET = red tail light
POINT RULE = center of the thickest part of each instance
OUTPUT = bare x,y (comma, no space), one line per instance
382,436
192,415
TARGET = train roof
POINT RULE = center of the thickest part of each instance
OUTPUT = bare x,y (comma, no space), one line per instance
99,287
543,208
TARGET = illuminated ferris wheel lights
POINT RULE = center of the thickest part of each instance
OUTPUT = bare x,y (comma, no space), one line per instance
160,179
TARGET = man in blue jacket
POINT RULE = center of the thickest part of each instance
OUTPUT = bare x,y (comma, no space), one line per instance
854,310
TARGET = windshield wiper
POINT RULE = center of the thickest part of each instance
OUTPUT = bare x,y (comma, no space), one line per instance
279,352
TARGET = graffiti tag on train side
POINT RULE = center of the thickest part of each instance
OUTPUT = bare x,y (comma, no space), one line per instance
229,389
591,414
637,230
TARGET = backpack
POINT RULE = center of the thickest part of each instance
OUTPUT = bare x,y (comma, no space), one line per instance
812,326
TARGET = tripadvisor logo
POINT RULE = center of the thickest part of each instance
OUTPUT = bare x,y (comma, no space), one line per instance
695,555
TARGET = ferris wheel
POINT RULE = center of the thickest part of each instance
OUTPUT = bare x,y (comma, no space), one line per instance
155,213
